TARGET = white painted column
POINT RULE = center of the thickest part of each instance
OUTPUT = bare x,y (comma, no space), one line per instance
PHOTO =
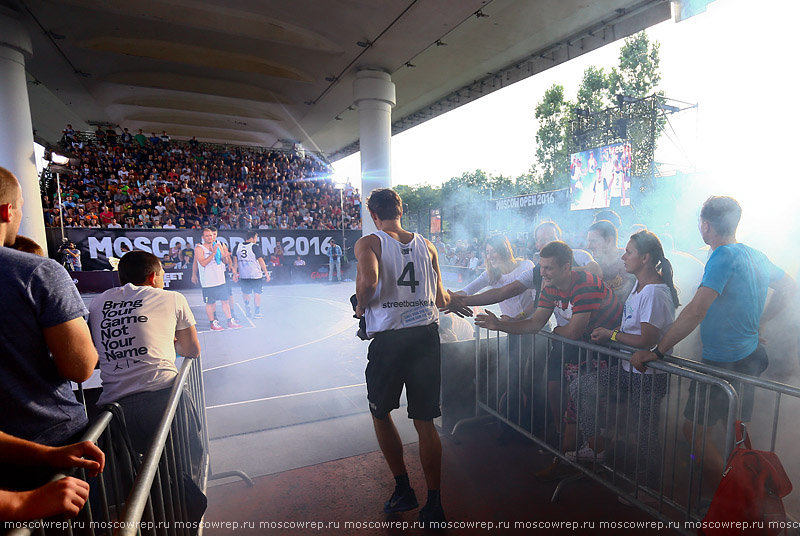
16,129
374,95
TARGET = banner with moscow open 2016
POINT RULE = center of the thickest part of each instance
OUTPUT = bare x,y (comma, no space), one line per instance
97,245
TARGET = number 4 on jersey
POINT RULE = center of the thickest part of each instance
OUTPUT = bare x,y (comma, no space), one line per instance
407,278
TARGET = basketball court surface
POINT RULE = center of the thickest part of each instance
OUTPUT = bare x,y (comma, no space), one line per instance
286,390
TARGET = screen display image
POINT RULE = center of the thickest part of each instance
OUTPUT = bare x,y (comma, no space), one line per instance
599,175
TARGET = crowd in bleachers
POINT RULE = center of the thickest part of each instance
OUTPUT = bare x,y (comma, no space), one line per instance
135,182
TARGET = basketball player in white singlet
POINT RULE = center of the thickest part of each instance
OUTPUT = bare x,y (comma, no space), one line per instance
399,289
210,259
248,264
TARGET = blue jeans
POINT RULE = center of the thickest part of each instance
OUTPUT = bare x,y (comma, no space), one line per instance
338,264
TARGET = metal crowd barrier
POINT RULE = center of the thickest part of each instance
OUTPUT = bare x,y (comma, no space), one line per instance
161,493
762,388
160,501
638,418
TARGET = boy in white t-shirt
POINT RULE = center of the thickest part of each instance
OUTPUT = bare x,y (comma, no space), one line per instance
137,329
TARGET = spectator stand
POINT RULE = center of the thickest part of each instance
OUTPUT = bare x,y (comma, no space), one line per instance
165,183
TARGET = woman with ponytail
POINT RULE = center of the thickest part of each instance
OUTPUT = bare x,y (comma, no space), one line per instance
648,313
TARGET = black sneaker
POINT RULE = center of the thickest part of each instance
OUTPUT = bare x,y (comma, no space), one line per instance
432,513
400,501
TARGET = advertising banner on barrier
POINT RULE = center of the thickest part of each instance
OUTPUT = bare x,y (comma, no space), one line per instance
97,245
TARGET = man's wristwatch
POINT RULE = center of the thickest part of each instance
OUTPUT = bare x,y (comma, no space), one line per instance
656,351
614,335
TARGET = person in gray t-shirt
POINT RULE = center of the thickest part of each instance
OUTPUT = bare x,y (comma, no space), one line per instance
44,339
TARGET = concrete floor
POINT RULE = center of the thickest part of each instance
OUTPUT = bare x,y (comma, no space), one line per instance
288,390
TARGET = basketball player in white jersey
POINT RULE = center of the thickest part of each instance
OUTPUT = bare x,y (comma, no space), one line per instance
248,264
399,289
210,260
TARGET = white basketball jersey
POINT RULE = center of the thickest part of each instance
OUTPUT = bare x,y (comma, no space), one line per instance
213,274
406,293
248,262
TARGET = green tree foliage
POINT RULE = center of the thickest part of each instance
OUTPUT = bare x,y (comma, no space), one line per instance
638,72
418,197
469,187
551,170
593,92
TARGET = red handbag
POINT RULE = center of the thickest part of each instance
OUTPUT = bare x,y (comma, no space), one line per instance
749,497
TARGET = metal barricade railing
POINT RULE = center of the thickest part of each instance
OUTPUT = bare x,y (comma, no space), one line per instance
521,380
154,494
741,382
773,426
159,502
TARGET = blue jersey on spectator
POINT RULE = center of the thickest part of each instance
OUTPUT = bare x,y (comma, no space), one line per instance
741,275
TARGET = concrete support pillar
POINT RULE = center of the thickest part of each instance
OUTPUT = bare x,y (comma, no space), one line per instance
16,130
374,95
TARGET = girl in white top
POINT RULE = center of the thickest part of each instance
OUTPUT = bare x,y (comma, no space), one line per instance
501,269
648,313
649,310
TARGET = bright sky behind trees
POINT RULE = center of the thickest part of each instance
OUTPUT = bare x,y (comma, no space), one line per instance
736,61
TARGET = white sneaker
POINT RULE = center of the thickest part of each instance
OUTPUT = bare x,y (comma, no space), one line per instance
585,454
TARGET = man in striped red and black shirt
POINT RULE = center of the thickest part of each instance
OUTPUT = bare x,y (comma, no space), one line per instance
581,302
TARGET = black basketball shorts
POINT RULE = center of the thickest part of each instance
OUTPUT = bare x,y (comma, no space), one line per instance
250,286
215,294
410,357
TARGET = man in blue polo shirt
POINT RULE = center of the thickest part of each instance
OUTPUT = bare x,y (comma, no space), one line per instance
730,307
